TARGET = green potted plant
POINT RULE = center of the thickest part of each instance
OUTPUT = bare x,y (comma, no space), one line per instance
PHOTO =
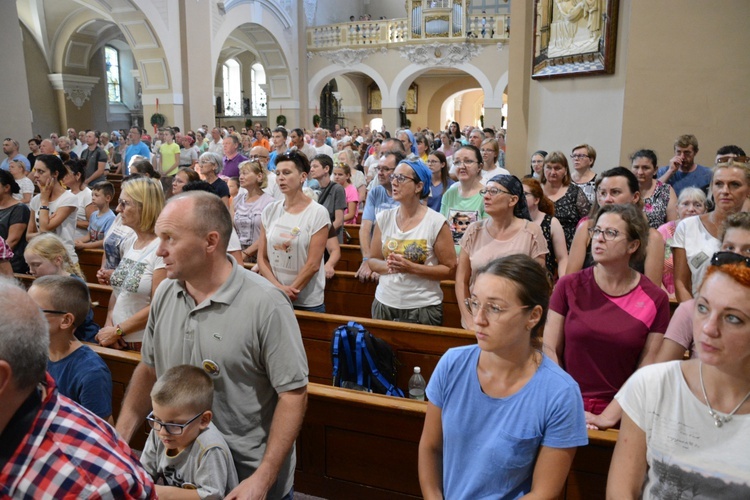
281,121
248,123
158,120
316,121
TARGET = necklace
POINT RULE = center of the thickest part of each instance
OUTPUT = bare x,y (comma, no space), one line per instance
718,419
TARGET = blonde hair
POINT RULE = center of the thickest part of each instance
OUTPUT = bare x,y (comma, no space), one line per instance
257,168
49,246
149,196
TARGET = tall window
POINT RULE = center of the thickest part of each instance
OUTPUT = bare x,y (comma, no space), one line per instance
258,76
232,88
112,61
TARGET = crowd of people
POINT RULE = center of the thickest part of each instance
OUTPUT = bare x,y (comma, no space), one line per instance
564,275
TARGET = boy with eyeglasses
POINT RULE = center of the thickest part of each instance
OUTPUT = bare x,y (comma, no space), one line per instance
184,450
80,374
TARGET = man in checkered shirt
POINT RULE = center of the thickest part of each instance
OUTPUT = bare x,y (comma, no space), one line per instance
50,447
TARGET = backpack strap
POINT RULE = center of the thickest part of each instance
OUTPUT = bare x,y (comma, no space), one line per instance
347,348
360,350
392,389
336,341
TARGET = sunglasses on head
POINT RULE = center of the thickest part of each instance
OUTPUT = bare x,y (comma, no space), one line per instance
722,258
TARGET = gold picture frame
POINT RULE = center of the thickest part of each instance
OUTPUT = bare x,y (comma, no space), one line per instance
375,99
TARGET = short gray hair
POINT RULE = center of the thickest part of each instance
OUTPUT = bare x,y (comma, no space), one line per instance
24,336
212,158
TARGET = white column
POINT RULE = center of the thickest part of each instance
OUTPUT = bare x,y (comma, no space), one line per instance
15,105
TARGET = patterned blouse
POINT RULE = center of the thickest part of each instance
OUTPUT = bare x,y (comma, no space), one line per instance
570,209
550,260
655,207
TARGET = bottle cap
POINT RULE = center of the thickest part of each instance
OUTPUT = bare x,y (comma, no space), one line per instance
417,369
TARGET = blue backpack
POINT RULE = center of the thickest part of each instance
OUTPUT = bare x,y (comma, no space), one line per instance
363,362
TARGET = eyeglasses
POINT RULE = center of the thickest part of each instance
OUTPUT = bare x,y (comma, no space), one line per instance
494,191
433,162
53,311
721,258
733,158
256,157
483,151
124,204
173,429
399,178
491,311
459,163
609,234
578,157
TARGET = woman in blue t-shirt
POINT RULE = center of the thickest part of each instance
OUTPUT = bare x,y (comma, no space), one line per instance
502,420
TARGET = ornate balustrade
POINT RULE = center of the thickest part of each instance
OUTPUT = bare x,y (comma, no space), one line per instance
428,22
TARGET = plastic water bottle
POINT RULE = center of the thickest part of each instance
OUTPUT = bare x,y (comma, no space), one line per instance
417,385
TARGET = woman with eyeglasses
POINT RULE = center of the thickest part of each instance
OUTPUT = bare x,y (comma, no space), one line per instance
607,320
54,208
411,249
209,167
293,237
696,238
503,420
617,186
583,175
140,271
438,165
462,203
507,231
685,423
692,201
571,204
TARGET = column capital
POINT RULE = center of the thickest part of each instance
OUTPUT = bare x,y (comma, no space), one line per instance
77,88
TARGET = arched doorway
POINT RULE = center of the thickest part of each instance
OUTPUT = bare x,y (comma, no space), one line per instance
330,105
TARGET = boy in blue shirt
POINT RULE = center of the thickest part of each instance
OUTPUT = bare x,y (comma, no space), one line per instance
102,219
79,372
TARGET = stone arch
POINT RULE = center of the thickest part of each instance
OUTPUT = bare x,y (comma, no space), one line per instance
410,73
319,79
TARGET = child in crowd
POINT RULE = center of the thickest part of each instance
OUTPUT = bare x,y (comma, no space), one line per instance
101,220
46,255
18,171
234,187
79,372
185,451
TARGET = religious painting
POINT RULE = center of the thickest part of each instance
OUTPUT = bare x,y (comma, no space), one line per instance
574,38
375,99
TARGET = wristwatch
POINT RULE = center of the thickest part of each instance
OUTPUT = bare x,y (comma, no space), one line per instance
118,331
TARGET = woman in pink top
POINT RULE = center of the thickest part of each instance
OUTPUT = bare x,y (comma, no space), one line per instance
342,174
607,320
508,230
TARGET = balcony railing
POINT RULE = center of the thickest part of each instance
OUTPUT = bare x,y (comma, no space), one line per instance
427,22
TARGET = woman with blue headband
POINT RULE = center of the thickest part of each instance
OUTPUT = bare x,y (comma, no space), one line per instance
412,250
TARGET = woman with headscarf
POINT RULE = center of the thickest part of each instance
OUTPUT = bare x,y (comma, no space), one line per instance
508,230
412,250
407,137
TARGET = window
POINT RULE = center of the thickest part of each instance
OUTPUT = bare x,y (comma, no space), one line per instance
232,88
258,77
112,61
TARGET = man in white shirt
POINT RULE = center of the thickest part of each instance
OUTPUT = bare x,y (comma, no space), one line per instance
297,137
320,145
216,145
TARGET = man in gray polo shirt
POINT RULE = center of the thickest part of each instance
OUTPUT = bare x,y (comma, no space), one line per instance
212,313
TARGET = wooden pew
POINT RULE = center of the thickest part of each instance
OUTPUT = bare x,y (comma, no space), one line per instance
90,261
365,446
413,345
351,235
345,295
351,258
